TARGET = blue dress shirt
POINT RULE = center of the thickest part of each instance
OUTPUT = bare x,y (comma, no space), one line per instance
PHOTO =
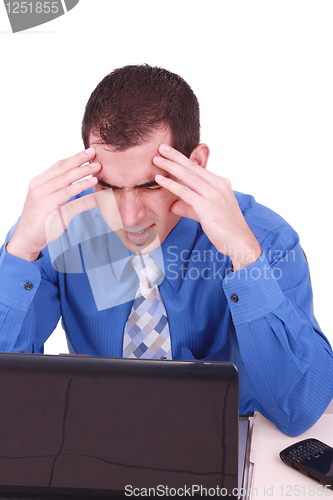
259,317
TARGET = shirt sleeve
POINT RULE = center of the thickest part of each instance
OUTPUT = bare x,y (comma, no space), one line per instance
286,357
29,304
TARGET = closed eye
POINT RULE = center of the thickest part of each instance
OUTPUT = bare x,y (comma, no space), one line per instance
149,186
157,188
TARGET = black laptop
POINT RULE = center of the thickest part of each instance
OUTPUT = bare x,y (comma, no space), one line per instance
91,427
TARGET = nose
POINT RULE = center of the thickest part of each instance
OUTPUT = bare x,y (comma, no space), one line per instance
131,208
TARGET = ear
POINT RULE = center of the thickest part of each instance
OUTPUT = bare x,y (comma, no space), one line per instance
200,155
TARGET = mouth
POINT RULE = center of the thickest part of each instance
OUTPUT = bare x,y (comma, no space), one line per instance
140,235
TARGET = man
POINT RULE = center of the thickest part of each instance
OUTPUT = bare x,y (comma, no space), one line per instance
236,284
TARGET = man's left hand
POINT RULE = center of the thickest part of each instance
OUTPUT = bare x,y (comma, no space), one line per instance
208,199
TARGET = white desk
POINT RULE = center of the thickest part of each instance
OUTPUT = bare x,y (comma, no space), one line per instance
274,479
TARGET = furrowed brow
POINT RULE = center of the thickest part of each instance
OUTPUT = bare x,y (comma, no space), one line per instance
110,186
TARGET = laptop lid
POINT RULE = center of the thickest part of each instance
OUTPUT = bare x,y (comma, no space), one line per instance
91,427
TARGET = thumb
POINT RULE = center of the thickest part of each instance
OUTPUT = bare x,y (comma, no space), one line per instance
183,209
58,221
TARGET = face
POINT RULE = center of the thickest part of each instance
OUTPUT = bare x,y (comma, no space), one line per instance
130,200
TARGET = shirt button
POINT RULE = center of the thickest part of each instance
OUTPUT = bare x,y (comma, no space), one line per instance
234,298
28,286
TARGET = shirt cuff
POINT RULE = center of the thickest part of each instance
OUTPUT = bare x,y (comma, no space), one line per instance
253,291
19,281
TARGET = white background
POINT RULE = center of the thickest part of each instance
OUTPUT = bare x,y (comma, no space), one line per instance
262,71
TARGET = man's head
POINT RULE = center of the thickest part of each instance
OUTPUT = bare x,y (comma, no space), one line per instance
130,113
132,102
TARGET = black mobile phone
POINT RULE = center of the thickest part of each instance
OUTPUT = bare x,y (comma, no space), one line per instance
311,457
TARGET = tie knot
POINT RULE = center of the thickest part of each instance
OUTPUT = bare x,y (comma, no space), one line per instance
147,270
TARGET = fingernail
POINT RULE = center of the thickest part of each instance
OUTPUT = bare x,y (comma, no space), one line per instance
93,180
158,159
94,164
89,150
164,147
159,177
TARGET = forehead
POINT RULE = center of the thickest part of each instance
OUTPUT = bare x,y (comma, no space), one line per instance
132,166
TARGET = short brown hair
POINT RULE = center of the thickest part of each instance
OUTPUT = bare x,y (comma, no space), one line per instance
133,101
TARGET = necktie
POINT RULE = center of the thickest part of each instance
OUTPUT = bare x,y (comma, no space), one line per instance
146,333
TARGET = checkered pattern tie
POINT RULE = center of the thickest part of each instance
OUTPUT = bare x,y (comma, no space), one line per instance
146,333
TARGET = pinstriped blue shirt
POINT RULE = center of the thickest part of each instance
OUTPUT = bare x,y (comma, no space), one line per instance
259,317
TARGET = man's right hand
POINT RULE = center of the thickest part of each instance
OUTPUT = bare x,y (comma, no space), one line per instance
46,213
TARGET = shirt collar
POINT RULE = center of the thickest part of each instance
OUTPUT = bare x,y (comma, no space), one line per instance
171,257
122,266
176,249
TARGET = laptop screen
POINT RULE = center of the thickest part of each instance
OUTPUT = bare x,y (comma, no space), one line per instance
117,427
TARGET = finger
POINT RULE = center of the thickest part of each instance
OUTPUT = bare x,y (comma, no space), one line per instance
175,156
79,205
63,195
67,178
63,166
73,161
183,192
193,176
